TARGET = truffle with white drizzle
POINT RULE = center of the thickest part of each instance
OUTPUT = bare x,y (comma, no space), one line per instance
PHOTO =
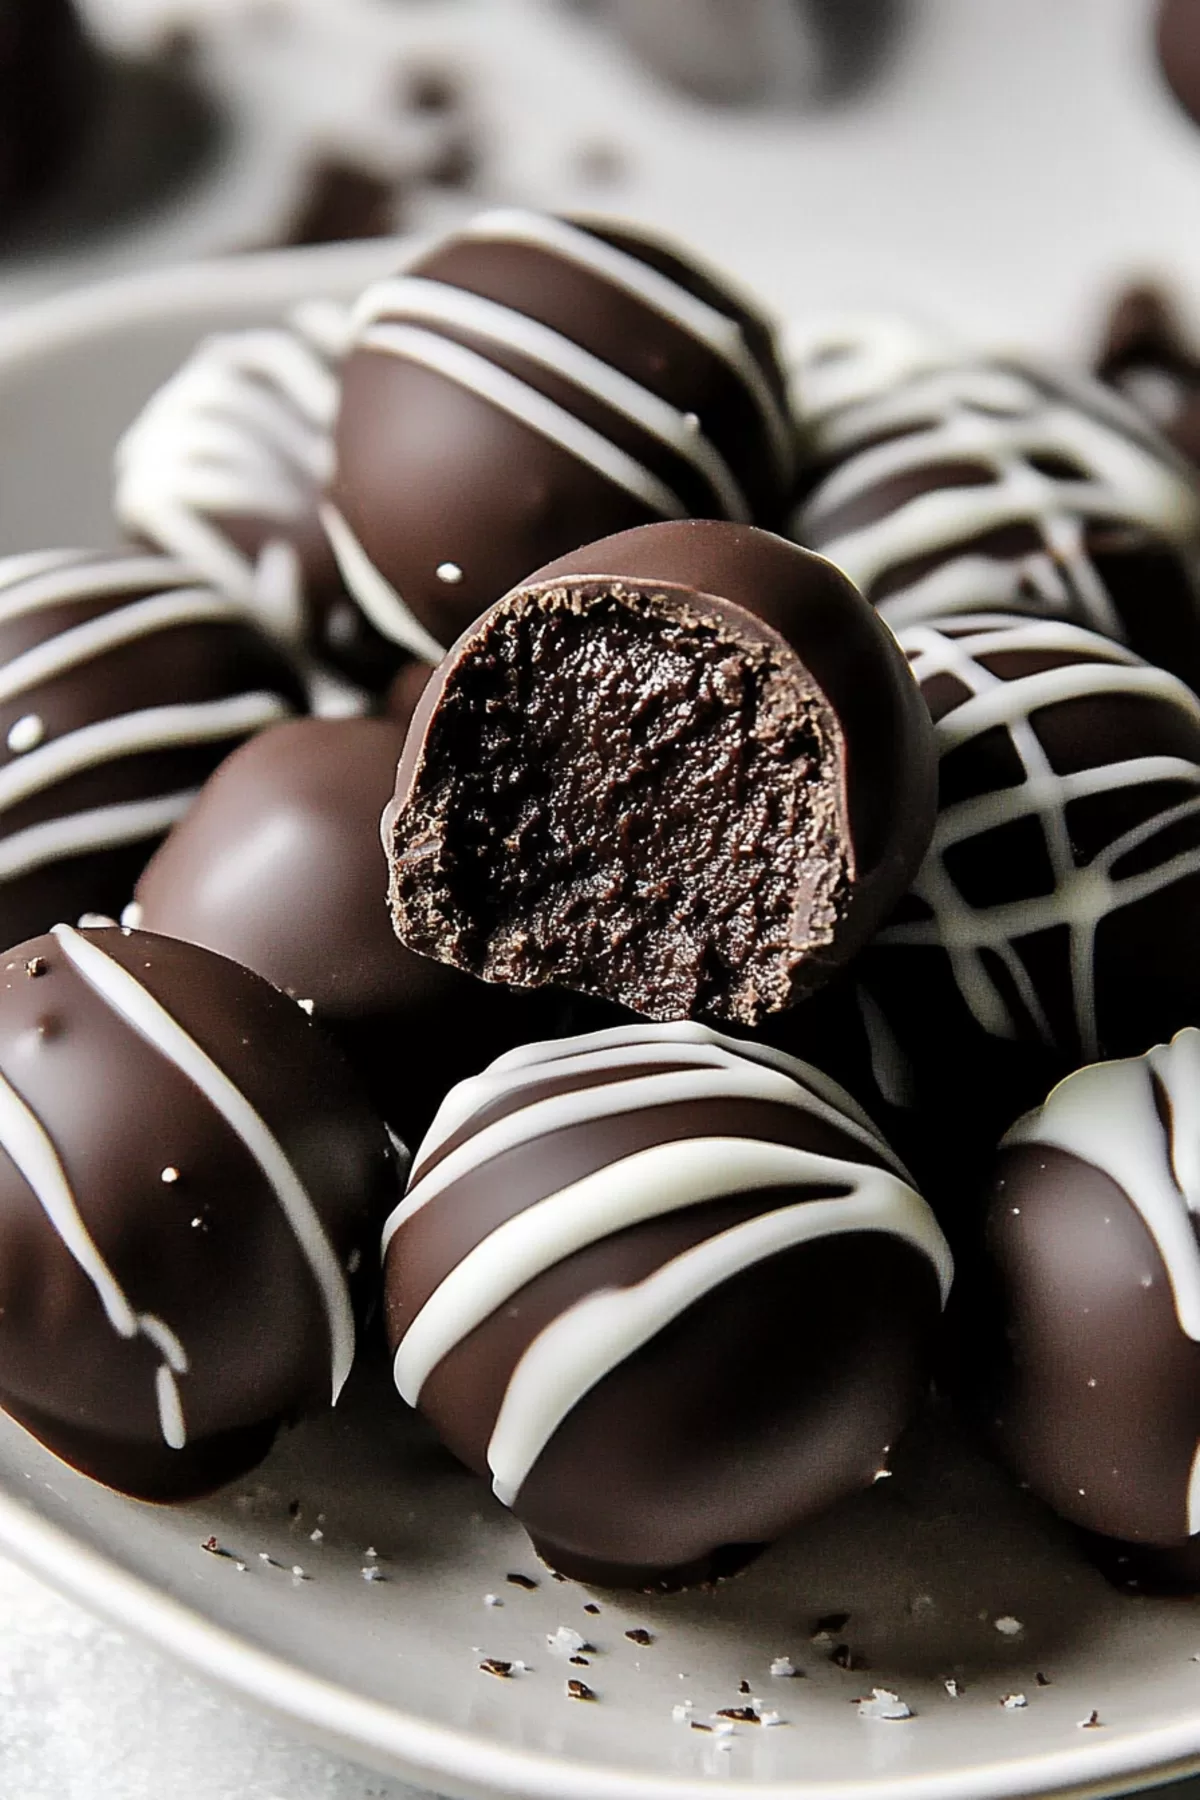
224,468
123,684
1092,1238
189,1180
529,385
670,1292
1055,906
978,484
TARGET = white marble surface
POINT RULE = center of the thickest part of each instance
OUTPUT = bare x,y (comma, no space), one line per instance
87,1714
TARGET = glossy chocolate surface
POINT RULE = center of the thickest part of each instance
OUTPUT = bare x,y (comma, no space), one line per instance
733,1339
190,1180
709,775
1147,356
533,384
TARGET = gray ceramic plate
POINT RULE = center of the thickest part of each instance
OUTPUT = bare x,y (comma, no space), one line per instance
386,1664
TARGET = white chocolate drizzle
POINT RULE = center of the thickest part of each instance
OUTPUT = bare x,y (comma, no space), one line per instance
1107,1115
1009,423
28,1144
590,1339
151,1020
241,431
160,599
1082,895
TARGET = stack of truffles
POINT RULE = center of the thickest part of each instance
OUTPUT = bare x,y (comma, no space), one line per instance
758,779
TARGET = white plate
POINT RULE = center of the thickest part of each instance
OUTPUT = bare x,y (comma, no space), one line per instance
388,1670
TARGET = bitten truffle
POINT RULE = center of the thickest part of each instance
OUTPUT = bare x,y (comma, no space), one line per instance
685,769
532,384
123,684
1092,1237
669,1292
279,866
979,484
190,1181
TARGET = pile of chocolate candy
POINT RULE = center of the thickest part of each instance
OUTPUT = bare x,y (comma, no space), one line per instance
732,901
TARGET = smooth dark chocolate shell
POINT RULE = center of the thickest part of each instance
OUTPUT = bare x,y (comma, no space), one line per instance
532,384
685,770
190,1182
279,866
741,1366
48,78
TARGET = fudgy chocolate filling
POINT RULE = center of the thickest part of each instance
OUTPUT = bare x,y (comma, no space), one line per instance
632,791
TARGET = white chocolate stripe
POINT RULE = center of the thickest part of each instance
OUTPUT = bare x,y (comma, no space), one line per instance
1106,1115
585,1105
154,1023
1045,793
376,595
649,1184
102,828
87,578
596,1057
723,335
128,734
584,1344
435,303
1193,1496
26,1141
530,408
935,648
81,643
1010,701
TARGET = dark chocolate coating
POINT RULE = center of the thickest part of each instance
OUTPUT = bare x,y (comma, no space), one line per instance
169,1194
1095,1380
777,1390
431,473
139,721
47,77
710,777
1146,355
1052,926
969,487
1178,39
279,866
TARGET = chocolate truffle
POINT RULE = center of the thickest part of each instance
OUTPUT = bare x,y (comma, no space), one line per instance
529,385
1092,1235
189,1179
1148,358
279,865
670,1292
47,82
224,468
1178,36
985,484
122,686
1055,909
685,770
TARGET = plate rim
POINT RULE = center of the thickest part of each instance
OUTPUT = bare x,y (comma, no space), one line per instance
368,1730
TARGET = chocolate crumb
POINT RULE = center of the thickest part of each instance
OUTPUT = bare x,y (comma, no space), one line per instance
589,1606
581,1662
639,1635
491,1665
522,1581
1042,1680
1093,1722
846,1658
741,1715
555,1576
36,965
579,1690
743,1687
697,1726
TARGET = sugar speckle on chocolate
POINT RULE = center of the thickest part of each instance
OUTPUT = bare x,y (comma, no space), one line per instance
783,1666
883,1703
1007,1626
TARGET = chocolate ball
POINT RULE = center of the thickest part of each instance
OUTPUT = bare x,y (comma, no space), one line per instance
1178,38
1148,358
670,1292
527,386
279,865
1092,1235
981,485
224,469
1052,919
685,770
189,1181
48,82
122,686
